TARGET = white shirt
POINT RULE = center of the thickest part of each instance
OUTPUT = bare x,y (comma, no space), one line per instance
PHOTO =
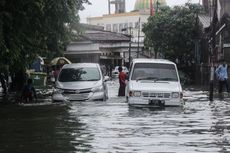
222,72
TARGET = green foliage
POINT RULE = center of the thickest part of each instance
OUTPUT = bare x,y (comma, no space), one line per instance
31,27
172,32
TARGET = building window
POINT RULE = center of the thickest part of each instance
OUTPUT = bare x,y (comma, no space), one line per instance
136,24
126,27
121,26
142,25
130,24
108,27
115,28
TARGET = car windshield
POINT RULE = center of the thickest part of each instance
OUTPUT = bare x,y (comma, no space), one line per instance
79,74
154,71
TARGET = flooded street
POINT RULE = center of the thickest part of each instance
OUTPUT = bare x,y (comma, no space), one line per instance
113,126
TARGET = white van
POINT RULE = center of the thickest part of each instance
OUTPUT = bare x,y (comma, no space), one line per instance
154,82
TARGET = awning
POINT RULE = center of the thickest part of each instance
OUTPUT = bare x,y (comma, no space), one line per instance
110,57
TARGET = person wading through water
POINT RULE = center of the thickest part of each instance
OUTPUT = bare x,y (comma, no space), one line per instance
3,83
222,76
122,77
28,92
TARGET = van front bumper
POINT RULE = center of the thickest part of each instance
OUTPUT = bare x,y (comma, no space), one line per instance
147,101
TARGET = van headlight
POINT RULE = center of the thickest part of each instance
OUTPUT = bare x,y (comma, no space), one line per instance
97,89
137,93
175,95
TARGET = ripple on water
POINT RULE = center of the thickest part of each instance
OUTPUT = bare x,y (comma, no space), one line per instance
114,126
121,128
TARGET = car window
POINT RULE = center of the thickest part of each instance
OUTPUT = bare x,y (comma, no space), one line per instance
164,72
116,68
79,74
125,69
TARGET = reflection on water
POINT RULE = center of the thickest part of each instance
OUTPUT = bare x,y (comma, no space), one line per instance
114,126
40,129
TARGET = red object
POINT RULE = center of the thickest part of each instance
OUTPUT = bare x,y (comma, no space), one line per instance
56,73
122,77
151,8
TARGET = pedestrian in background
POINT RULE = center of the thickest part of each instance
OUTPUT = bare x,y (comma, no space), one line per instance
57,71
3,83
29,92
222,76
122,78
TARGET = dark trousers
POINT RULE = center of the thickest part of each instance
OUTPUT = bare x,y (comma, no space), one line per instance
27,97
121,91
223,83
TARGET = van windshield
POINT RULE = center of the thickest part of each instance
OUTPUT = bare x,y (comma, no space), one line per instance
154,71
79,74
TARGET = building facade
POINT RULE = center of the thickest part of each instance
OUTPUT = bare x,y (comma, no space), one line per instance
218,22
132,21
114,38
215,41
99,46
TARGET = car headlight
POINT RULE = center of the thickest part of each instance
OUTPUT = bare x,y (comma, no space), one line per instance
58,91
134,93
98,89
175,95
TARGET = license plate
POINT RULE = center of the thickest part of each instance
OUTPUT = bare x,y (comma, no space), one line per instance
77,96
157,102
153,102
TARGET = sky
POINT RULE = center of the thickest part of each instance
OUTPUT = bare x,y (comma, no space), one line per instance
100,7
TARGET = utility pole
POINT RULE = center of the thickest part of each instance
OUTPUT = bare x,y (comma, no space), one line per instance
157,3
213,46
130,40
109,6
138,37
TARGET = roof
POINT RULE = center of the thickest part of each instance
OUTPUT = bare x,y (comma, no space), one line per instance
148,60
92,27
205,20
105,36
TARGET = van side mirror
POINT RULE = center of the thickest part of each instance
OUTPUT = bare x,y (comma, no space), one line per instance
127,77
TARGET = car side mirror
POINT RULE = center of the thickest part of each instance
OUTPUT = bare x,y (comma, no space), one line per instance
106,78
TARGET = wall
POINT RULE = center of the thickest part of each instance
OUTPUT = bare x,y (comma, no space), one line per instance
117,22
84,58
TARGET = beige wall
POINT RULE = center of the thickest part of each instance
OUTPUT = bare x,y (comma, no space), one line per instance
116,22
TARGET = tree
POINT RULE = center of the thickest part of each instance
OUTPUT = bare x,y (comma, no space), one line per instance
172,31
43,27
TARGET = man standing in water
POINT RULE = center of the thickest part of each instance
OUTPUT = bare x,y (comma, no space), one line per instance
3,83
222,76
28,92
122,77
